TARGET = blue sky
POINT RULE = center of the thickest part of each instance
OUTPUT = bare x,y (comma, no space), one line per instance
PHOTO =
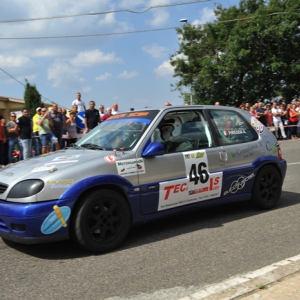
130,69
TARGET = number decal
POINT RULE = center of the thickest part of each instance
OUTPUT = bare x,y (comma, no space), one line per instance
203,172
201,175
193,174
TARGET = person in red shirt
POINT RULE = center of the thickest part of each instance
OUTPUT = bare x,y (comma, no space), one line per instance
107,115
2,142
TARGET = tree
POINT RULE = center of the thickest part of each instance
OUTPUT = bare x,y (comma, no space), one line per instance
250,53
32,98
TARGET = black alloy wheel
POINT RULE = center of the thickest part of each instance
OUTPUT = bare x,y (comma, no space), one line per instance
101,221
267,188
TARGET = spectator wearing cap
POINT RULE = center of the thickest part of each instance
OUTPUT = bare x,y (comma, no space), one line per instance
45,123
36,141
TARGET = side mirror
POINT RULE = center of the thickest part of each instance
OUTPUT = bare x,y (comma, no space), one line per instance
153,149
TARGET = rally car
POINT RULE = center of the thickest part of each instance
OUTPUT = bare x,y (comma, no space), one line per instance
136,167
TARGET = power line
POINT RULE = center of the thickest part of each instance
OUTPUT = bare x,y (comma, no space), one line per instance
12,77
46,99
103,13
86,35
127,32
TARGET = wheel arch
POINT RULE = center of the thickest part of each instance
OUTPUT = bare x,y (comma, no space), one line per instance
279,165
100,187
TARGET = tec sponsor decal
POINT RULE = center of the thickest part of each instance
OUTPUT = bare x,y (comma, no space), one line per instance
111,159
238,184
131,167
257,125
199,185
56,220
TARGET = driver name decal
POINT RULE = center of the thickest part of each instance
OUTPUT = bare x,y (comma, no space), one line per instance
199,184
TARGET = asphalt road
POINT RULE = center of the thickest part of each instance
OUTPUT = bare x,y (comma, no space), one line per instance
167,259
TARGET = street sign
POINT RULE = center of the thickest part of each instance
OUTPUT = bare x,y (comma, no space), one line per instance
80,119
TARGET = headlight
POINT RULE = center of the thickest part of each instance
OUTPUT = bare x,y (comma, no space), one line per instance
26,188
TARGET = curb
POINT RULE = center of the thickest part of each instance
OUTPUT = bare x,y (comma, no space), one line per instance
240,286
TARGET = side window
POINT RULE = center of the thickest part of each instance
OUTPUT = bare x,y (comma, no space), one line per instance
232,127
183,131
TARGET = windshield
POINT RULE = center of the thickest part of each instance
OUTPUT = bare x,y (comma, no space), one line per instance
115,134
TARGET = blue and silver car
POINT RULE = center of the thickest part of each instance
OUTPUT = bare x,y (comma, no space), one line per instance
139,166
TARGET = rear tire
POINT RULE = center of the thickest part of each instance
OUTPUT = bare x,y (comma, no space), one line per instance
101,221
267,188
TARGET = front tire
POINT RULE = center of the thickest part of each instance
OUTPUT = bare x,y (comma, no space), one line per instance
101,221
267,188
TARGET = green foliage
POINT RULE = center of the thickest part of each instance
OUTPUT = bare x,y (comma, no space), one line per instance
32,98
250,53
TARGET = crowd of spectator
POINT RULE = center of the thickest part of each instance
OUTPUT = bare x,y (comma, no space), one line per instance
282,118
48,130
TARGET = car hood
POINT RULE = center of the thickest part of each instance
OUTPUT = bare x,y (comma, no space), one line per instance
42,166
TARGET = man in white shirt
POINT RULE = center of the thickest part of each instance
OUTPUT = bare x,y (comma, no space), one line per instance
276,112
101,110
80,104
115,109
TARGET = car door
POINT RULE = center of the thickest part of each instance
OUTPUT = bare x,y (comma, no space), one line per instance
241,145
189,170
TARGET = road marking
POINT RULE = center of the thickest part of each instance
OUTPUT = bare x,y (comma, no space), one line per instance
215,288
296,163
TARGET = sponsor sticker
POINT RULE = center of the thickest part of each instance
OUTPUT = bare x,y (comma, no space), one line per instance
56,220
66,157
199,184
238,184
111,159
131,167
42,168
257,125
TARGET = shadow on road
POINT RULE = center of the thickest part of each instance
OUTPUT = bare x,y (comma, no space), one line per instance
209,217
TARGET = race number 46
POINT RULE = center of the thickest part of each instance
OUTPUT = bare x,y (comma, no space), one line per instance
198,173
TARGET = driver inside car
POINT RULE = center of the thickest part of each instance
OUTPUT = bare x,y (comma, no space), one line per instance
169,134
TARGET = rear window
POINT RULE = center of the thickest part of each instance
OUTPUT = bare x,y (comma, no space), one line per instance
232,127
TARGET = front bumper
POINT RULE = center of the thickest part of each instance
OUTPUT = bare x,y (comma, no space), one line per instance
32,223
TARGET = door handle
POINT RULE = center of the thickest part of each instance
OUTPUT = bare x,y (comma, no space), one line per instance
223,156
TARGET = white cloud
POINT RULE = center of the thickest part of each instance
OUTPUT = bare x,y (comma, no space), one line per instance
63,76
127,75
15,61
164,70
206,15
131,3
90,58
155,50
160,17
103,77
